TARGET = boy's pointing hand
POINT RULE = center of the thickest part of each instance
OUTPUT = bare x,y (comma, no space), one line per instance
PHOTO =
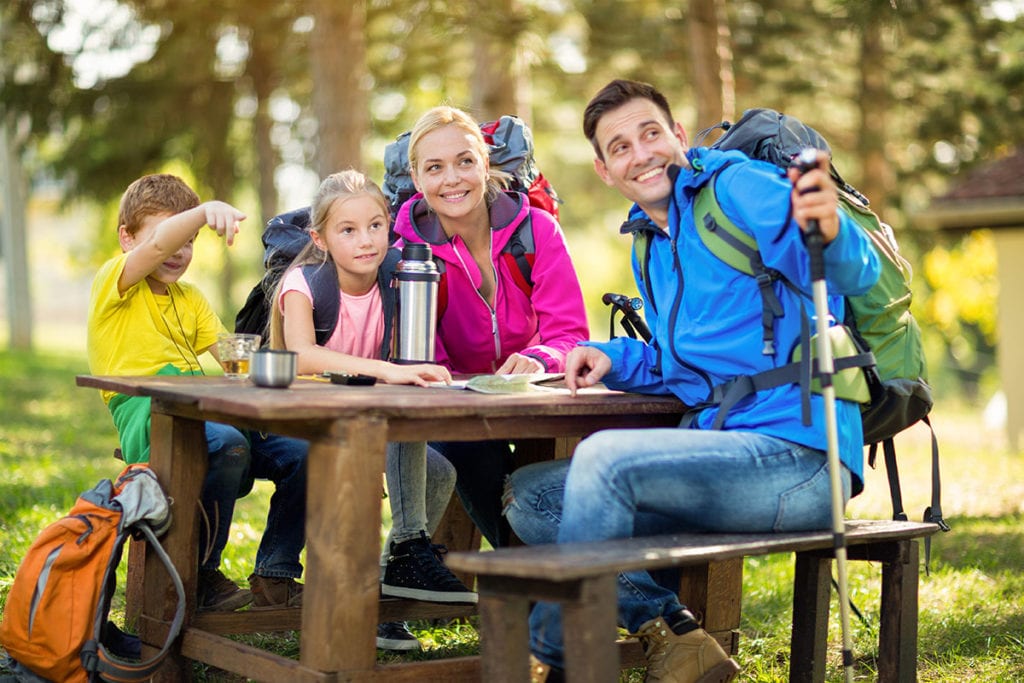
223,218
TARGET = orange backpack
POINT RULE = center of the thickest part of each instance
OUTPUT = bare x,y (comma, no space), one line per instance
55,620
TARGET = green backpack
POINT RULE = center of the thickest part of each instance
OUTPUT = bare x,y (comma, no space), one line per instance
879,355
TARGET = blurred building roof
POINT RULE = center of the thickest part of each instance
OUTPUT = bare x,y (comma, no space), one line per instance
990,196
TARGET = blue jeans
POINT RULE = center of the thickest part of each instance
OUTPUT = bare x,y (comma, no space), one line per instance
420,484
227,478
234,461
481,468
282,460
624,483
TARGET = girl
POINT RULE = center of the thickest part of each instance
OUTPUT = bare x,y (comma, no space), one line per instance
490,324
349,242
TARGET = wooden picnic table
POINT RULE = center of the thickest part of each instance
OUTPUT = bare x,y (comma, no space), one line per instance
347,428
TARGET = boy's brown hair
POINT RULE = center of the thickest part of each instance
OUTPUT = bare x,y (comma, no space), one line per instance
151,195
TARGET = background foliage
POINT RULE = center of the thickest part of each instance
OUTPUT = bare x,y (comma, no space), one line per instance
258,98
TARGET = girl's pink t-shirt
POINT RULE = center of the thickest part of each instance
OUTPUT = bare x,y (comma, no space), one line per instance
360,328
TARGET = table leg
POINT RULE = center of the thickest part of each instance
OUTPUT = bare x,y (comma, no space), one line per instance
178,458
339,614
713,592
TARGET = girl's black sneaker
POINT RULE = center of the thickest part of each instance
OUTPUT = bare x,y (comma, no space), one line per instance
415,570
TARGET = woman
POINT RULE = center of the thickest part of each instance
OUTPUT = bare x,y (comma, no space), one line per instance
490,323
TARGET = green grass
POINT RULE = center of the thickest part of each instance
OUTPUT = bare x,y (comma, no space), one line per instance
56,440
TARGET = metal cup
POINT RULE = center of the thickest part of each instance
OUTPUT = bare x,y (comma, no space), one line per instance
273,368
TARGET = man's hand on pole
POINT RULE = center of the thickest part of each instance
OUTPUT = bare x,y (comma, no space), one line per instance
815,196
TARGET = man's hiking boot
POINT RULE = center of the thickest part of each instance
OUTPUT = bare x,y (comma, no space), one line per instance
270,592
218,593
691,657
395,635
544,673
415,570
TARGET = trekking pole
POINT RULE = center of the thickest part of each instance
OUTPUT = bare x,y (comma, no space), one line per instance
806,160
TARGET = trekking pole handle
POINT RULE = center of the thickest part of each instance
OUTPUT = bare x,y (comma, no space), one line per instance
628,307
806,160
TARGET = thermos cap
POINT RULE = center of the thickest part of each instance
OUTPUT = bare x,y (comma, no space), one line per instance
416,251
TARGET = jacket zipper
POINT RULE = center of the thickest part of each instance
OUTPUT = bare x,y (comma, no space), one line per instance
674,317
494,315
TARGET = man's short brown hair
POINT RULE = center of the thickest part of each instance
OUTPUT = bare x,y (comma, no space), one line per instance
613,96
151,195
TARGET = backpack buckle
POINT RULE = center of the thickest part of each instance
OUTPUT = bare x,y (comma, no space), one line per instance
90,660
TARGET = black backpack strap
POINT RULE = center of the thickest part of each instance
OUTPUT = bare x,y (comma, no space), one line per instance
641,229
322,279
892,471
519,245
807,368
933,513
738,249
95,656
728,394
771,307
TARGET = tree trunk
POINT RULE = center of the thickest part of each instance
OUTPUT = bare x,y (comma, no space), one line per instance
711,56
498,82
340,100
874,103
14,249
260,70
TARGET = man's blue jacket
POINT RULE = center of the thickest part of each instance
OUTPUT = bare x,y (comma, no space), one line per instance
705,316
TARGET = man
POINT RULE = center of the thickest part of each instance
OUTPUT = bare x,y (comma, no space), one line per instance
762,468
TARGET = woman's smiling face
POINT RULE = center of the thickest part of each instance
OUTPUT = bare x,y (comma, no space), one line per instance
451,172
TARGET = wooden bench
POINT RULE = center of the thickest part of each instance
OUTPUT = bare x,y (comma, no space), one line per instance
581,576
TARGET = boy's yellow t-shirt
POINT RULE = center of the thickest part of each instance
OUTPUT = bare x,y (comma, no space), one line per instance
141,333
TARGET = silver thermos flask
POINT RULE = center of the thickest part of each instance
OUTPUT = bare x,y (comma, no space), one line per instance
417,279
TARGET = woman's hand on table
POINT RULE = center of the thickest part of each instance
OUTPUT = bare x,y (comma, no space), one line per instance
518,364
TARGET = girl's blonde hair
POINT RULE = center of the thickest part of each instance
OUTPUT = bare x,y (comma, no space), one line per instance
340,186
442,116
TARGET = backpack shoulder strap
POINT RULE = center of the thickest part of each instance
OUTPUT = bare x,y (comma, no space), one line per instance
323,284
639,228
388,298
521,250
739,250
720,235
95,656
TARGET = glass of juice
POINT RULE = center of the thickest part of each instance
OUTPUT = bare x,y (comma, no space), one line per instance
234,351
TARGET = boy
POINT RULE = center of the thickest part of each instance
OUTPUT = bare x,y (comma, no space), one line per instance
144,321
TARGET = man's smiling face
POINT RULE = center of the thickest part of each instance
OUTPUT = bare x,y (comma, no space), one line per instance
638,144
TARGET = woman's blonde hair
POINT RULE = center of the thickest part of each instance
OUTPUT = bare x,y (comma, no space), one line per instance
340,186
442,116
